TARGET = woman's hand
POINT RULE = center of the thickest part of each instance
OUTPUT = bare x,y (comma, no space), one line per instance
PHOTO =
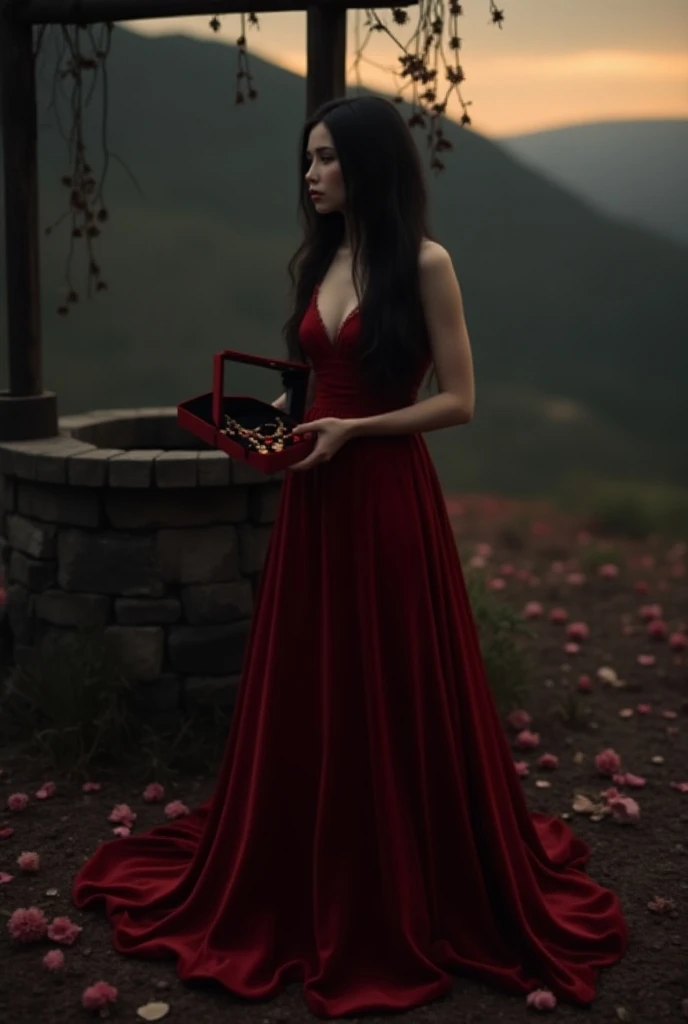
332,434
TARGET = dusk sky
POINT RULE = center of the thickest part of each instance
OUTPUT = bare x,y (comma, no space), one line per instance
555,62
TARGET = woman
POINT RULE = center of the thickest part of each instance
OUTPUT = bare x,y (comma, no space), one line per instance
368,835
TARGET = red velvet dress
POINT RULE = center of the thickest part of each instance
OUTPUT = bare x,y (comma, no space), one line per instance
368,835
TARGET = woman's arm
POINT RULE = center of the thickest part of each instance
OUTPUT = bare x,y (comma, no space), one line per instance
451,354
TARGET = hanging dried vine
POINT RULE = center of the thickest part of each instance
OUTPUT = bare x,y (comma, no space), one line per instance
426,70
81,58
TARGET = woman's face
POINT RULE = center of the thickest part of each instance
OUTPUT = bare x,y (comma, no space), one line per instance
324,175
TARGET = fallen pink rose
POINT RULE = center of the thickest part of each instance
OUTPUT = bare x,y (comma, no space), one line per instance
678,641
625,810
29,861
121,831
6,833
97,996
646,660
518,719
123,814
91,787
527,740
648,612
571,648
63,930
628,779
607,761
644,709
541,999
533,610
46,791
548,761
522,768
5,878
661,905
558,616
578,631
585,684
682,787
17,801
27,924
176,809
657,629
608,571
54,960
153,792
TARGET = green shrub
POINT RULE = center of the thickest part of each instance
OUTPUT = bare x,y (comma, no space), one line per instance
65,704
70,709
594,555
500,629
628,508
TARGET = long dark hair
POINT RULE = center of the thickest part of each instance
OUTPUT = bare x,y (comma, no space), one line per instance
386,204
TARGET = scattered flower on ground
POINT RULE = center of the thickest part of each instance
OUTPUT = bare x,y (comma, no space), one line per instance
97,996
29,861
17,801
28,924
54,960
63,930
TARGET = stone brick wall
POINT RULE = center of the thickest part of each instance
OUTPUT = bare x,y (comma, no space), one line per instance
162,548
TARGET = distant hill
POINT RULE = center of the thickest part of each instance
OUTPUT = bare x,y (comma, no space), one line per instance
577,321
635,170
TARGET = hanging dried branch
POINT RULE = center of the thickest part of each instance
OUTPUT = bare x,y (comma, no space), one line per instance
425,69
428,109
81,58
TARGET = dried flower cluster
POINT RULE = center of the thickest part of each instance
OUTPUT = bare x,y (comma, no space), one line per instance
427,71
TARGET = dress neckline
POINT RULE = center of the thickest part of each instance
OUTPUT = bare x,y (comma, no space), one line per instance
346,319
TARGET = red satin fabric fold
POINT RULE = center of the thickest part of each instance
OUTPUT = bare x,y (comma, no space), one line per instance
368,835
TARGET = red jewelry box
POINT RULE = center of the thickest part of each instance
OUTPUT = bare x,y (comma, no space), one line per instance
205,414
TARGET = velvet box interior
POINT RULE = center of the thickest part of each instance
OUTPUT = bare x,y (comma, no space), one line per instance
246,428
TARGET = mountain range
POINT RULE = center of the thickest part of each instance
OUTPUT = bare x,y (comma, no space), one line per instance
634,170
577,319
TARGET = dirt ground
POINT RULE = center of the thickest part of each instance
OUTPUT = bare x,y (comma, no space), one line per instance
641,861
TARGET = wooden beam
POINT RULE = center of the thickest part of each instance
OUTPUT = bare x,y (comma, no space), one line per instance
26,411
83,12
20,158
326,55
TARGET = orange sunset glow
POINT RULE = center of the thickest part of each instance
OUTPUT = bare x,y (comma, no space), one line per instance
549,66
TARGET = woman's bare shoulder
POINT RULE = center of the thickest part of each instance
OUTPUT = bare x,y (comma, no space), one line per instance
432,253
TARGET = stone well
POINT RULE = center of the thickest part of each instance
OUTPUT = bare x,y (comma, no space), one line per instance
126,522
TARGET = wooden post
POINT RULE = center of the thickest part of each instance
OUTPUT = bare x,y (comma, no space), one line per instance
25,412
326,55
